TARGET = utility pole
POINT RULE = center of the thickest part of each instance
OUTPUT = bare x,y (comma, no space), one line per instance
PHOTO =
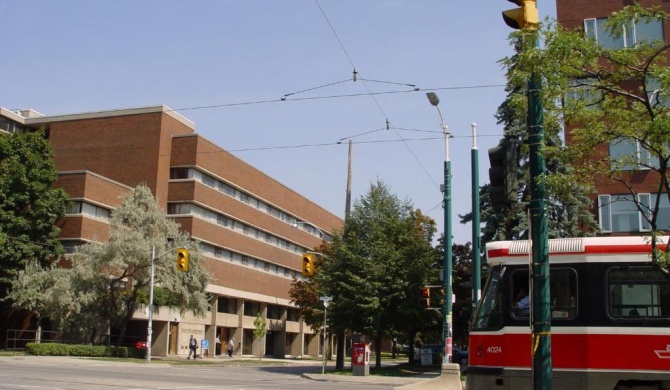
526,18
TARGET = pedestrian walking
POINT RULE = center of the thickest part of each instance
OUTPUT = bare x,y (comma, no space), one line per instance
192,346
218,345
231,347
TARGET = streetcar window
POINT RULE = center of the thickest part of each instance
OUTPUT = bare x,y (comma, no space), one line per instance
488,315
638,292
520,294
562,293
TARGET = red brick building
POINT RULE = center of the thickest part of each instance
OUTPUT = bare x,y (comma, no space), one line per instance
613,202
244,220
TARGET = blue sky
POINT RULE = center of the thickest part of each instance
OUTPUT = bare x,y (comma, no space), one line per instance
225,65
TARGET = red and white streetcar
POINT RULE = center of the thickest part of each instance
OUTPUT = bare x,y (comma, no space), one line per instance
610,309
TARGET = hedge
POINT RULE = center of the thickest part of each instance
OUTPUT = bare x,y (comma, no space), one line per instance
57,349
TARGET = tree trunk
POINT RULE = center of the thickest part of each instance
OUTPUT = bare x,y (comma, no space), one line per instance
410,336
339,363
378,349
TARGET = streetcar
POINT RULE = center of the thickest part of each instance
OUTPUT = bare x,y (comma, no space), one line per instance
610,316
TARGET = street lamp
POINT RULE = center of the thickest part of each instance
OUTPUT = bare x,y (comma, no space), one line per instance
296,224
446,325
326,301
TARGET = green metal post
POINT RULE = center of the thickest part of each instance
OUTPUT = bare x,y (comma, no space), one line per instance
446,324
476,228
446,327
541,317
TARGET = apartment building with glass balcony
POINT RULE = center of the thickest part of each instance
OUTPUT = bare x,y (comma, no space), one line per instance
244,220
614,208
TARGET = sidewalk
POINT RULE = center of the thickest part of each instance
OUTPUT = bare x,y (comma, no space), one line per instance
372,379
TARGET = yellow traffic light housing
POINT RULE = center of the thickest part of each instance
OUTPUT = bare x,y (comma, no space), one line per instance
182,259
307,264
524,18
424,297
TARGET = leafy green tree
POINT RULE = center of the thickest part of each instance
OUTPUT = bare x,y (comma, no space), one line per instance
105,283
376,266
29,205
260,329
29,209
609,97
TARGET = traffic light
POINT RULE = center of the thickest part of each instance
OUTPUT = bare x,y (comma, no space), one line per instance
424,297
524,18
438,297
182,259
307,264
504,184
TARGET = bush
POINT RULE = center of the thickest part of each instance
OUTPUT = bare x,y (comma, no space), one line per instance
57,349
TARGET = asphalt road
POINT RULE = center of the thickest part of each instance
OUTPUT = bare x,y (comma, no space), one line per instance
56,373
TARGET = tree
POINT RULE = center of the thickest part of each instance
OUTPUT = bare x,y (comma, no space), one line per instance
260,329
568,203
376,266
105,283
29,205
610,98
29,209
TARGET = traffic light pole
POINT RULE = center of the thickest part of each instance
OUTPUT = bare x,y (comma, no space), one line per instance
526,18
151,297
541,318
151,303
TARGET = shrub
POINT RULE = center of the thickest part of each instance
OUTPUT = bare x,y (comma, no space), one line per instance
57,349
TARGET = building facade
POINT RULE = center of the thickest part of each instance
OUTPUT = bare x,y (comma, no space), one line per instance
252,229
614,205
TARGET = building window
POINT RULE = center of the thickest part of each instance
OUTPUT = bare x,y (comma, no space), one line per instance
11,126
274,312
618,213
637,293
90,210
208,180
251,309
181,173
71,246
73,208
626,154
179,208
227,305
292,315
643,30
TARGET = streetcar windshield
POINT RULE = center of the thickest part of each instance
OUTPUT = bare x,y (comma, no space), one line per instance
488,315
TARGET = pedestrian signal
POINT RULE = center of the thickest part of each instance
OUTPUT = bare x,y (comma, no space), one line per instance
424,297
